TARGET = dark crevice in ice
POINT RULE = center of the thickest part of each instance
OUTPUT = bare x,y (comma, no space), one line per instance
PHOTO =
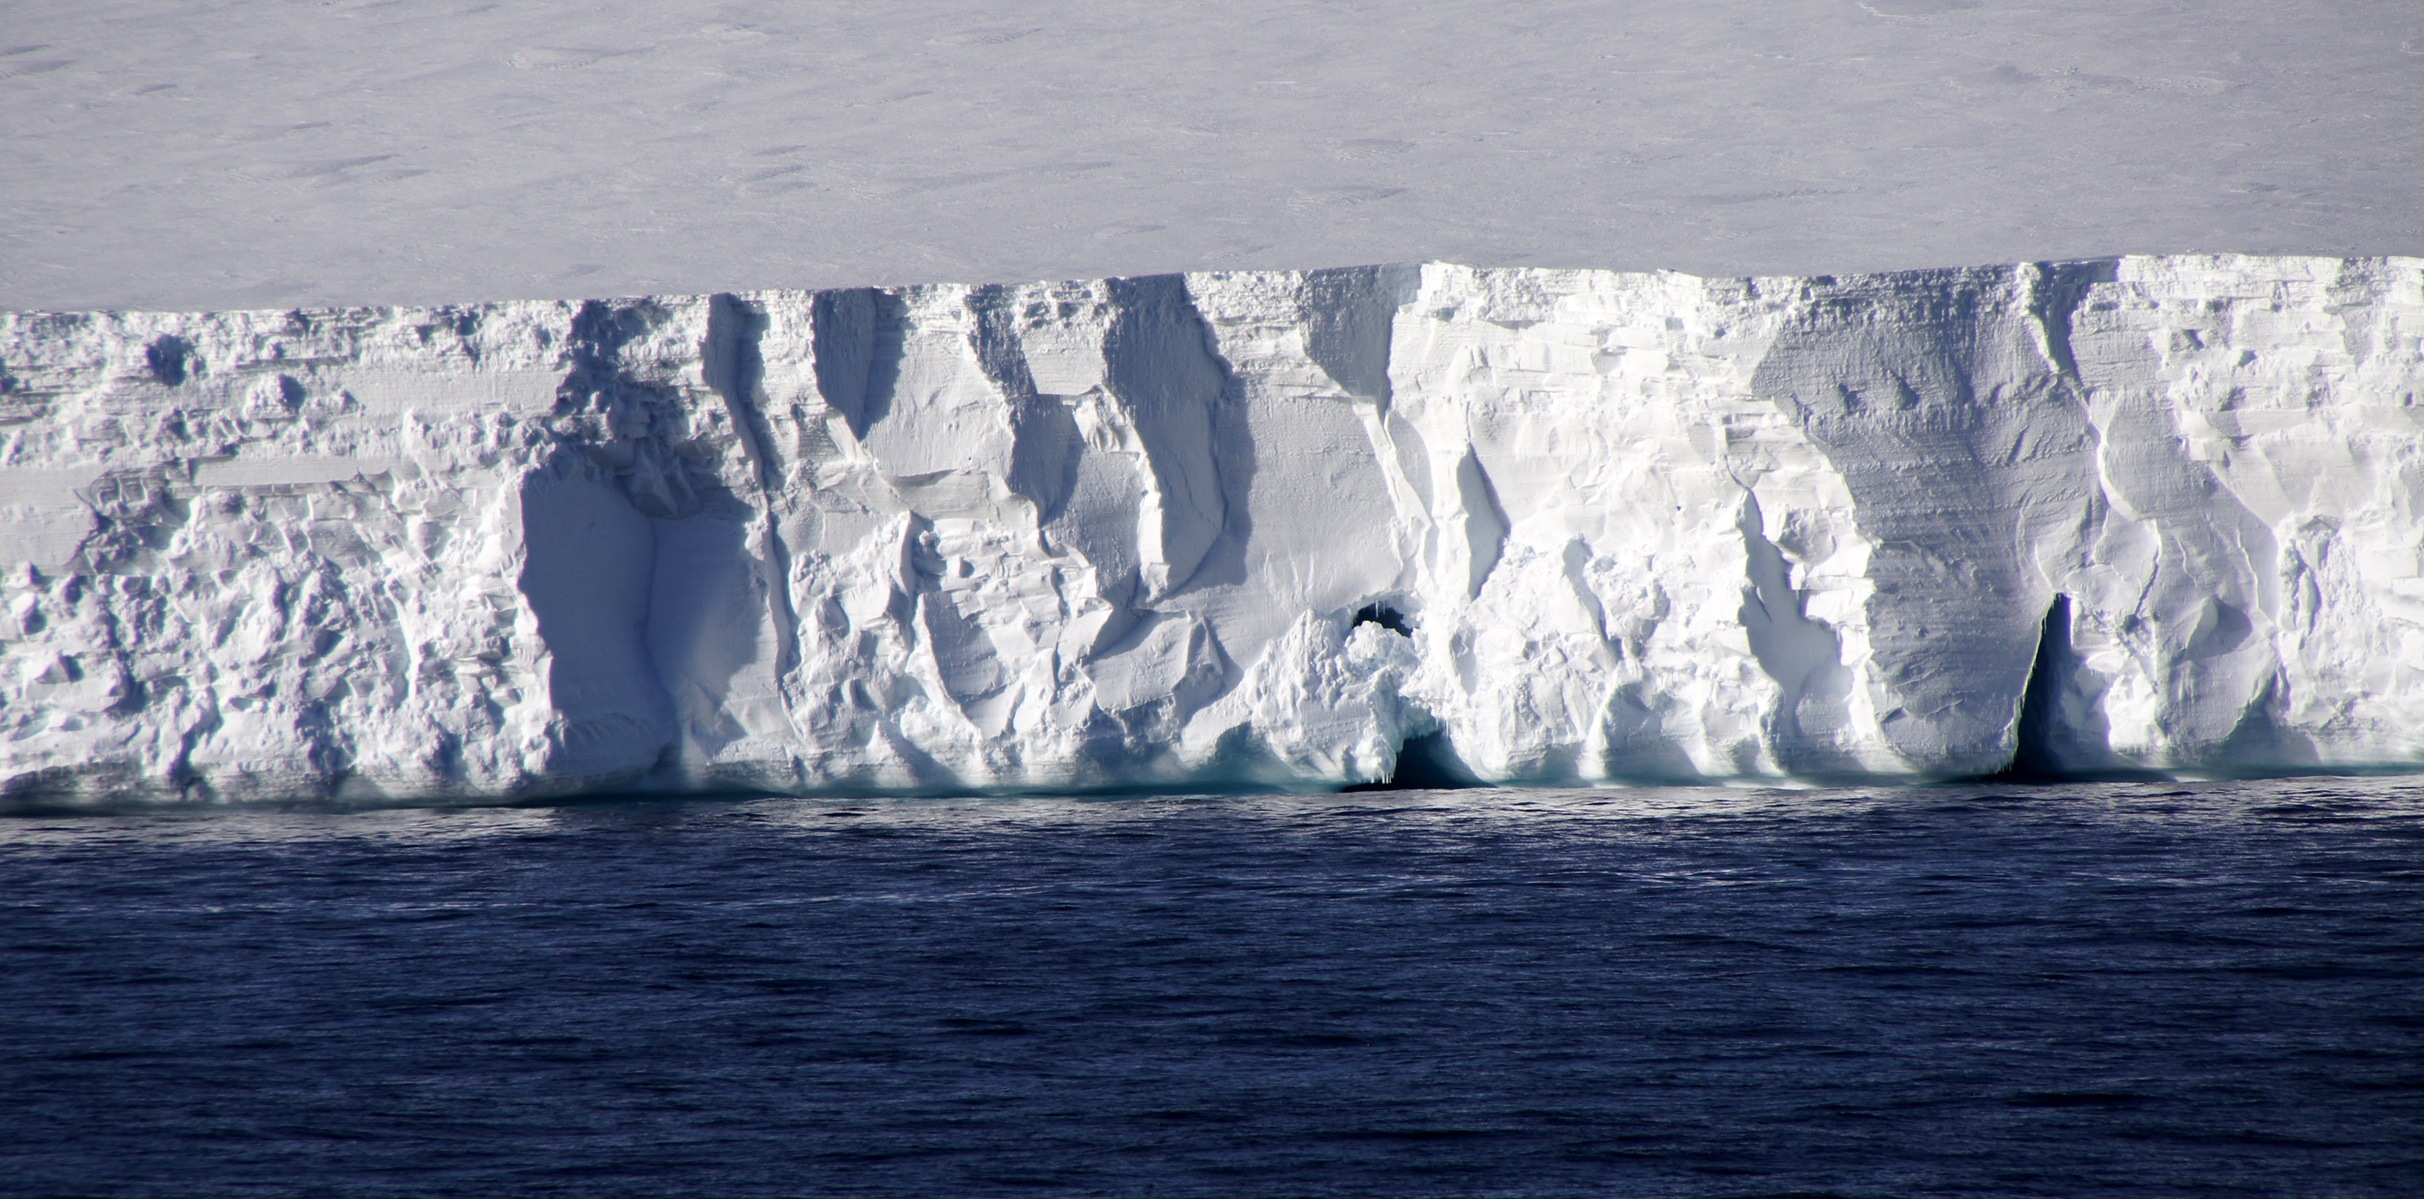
2060,288
734,359
2045,746
166,358
1163,365
859,337
1349,315
2036,754
1425,763
1385,616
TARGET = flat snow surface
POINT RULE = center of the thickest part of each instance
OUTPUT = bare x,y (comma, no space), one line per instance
268,152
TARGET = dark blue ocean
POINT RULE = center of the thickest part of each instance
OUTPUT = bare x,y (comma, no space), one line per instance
2118,989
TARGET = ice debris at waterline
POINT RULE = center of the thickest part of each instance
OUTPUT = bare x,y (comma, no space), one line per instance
1255,527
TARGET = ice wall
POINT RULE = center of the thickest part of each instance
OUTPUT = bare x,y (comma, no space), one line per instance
1222,528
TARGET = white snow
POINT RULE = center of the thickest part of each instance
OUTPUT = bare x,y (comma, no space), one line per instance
1116,533
269,153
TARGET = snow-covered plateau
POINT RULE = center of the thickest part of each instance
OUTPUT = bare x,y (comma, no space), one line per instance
1259,528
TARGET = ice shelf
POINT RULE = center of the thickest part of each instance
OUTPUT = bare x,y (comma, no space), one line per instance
1256,528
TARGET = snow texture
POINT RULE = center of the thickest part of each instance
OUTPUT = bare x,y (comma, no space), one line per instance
272,153
1228,528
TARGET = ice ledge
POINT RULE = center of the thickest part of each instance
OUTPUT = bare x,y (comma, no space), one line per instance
1243,528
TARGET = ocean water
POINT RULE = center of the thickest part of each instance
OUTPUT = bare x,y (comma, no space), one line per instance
2117,989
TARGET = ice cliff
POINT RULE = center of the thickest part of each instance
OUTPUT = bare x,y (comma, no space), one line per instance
1252,527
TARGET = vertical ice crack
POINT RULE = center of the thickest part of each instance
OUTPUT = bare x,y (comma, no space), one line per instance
1796,651
2036,753
734,366
1163,368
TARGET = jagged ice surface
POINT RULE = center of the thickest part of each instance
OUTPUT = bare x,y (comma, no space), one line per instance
1222,528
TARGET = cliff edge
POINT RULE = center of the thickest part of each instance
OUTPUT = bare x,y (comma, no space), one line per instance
2158,513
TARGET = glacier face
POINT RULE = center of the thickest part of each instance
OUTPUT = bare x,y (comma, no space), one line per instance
1222,528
